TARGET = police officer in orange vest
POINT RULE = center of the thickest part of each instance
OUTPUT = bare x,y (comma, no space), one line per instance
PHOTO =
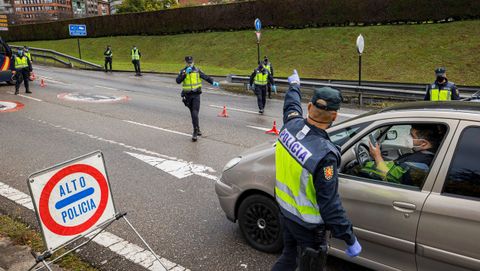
442,89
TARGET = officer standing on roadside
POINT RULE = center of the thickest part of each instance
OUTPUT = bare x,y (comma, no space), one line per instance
27,53
136,55
269,67
191,79
108,57
259,80
442,89
306,187
22,68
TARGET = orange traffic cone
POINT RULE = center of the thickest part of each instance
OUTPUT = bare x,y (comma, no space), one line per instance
224,113
273,130
42,83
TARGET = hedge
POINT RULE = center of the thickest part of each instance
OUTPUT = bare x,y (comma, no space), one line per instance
237,16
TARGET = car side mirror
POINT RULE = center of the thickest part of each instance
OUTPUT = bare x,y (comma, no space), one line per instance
392,135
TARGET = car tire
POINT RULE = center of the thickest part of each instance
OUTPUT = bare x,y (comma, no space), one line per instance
258,218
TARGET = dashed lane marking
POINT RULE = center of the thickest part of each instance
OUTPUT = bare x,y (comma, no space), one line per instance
106,239
109,88
25,96
259,128
347,115
235,109
157,128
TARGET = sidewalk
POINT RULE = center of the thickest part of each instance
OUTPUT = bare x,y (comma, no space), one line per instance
16,258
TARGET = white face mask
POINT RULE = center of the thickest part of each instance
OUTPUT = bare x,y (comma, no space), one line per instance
410,145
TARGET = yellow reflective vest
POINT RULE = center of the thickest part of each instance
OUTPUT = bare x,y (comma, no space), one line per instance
192,81
21,62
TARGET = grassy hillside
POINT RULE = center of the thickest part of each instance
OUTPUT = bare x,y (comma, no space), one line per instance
404,53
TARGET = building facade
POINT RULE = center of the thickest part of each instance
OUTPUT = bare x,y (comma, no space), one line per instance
28,11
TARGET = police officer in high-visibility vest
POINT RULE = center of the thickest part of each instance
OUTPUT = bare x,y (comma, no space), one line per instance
136,55
442,89
259,80
191,79
22,68
27,53
269,67
108,58
306,188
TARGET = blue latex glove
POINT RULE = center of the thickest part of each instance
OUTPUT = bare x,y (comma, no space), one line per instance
354,250
188,70
294,78
216,84
274,88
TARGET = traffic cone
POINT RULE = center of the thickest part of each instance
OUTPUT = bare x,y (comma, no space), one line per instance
42,83
273,130
224,113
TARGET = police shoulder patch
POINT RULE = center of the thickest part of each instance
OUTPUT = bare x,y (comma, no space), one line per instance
293,114
328,173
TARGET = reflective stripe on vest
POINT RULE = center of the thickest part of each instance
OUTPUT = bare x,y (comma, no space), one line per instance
440,94
261,78
135,55
109,54
268,67
21,62
294,189
192,81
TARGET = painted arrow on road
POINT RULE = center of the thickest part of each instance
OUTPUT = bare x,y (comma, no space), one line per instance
178,168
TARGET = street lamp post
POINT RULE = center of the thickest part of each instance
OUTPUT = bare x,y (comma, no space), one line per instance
360,47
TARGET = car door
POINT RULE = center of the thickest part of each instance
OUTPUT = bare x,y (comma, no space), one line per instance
385,215
449,228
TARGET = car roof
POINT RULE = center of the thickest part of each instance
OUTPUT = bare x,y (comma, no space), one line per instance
435,106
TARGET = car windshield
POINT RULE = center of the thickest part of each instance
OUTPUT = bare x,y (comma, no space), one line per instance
340,137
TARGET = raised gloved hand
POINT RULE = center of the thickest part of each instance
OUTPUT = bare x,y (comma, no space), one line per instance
274,88
294,79
216,84
188,70
354,250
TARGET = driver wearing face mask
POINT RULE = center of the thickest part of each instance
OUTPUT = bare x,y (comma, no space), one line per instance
411,168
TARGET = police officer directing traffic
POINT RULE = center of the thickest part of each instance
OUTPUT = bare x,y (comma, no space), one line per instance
442,89
108,58
306,186
136,55
191,79
259,81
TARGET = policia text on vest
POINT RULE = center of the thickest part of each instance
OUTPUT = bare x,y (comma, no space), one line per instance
191,79
306,187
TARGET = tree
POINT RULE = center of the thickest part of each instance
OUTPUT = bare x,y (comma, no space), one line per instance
145,5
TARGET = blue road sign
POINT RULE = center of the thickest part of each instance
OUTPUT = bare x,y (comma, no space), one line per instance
258,24
77,30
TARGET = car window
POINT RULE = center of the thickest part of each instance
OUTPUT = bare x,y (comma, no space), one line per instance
463,177
341,136
402,155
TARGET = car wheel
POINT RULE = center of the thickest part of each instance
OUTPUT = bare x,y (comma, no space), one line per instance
259,223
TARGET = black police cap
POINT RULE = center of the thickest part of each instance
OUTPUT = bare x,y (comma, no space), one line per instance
189,59
327,98
440,71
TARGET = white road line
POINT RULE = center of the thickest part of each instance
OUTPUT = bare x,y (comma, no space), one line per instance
106,239
259,128
24,96
347,115
56,82
157,128
235,109
97,86
200,170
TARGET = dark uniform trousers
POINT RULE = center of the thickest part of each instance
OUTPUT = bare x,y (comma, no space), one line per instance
108,61
136,65
261,92
22,75
192,101
295,236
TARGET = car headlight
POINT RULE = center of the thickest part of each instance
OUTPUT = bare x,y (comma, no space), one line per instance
232,163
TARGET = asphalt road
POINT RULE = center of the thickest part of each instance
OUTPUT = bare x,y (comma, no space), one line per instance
180,217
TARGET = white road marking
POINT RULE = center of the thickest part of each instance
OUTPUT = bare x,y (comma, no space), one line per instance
347,115
200,170
56,82
25,96
157,128
97,86
235,109
176,168
259,128
106,239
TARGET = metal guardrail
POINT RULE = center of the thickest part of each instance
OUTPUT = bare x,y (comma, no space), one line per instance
395,90
64,59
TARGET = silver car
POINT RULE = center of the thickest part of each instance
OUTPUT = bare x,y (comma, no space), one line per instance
429,222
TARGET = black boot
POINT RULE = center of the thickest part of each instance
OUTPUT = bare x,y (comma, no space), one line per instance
199,133
194,135
16,92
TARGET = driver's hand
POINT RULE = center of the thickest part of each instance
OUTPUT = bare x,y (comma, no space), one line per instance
375,152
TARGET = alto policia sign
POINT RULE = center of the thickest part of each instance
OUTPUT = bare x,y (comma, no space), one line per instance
71,199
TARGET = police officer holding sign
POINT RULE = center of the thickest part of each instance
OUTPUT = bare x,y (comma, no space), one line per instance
442,89
191,79
306,187
259,80
22,69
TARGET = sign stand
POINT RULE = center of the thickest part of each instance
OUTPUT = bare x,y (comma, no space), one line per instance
72,201
78,30
258,28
